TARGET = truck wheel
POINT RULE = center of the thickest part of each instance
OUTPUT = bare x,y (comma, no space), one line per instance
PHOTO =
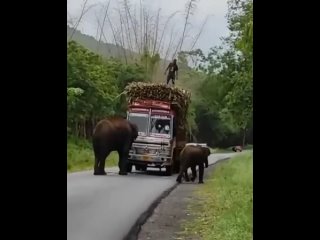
138,168
143,168
168,170
129,167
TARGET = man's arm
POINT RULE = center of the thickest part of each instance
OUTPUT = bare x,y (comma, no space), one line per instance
165,72
177,69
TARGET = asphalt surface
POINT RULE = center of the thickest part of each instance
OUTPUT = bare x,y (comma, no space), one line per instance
106,207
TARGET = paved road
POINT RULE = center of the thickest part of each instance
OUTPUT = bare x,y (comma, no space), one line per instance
106,207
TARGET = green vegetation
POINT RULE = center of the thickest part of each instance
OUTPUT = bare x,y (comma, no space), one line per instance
222,150
229,149
220,113
224,208
80,155
223,112
93,86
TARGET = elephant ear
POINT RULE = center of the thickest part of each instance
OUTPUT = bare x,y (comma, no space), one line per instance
207,151
134,128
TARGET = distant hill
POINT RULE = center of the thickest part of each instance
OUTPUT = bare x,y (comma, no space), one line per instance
108,50
105,49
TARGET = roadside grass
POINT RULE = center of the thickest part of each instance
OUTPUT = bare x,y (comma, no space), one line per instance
229,149
248,147
223,210
80,156
221,150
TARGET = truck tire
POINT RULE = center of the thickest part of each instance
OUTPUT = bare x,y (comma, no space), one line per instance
138,167
143,168
129,167
168,170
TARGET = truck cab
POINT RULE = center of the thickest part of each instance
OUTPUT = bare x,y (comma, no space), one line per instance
156,141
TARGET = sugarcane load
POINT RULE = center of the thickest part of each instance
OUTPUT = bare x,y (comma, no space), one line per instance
160,113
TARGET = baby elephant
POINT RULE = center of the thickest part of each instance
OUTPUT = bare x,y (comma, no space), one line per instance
191,156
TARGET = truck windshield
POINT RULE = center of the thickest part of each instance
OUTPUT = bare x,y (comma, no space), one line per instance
141,120
160,126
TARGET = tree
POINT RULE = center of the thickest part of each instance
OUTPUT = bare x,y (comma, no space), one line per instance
227,90
93,85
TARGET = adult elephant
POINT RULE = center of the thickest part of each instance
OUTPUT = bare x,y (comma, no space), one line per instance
191,156
113,134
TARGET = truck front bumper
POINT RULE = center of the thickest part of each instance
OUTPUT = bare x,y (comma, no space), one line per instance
150,160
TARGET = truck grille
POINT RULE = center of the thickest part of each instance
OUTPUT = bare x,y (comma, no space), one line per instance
146,151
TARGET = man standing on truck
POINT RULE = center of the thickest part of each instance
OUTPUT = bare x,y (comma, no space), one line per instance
172,71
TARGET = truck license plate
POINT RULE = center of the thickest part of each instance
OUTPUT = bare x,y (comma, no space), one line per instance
146,158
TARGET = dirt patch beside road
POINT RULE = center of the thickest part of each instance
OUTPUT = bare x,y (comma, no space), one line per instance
166,220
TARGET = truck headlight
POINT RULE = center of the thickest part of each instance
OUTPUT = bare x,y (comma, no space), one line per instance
133,151
165,151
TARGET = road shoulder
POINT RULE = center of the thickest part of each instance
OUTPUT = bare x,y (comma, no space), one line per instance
167,218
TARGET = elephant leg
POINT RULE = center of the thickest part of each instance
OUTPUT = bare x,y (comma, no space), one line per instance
194,173
96,164
182,170
119,161
99,164
179,177
201,171
103,161
123,160
96,150
186,176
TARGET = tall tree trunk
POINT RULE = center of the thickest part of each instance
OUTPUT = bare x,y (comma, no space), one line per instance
190,6
84,129
102,26
92,126
244,138
76,129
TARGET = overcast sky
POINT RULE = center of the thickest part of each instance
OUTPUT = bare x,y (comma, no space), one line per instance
215,28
